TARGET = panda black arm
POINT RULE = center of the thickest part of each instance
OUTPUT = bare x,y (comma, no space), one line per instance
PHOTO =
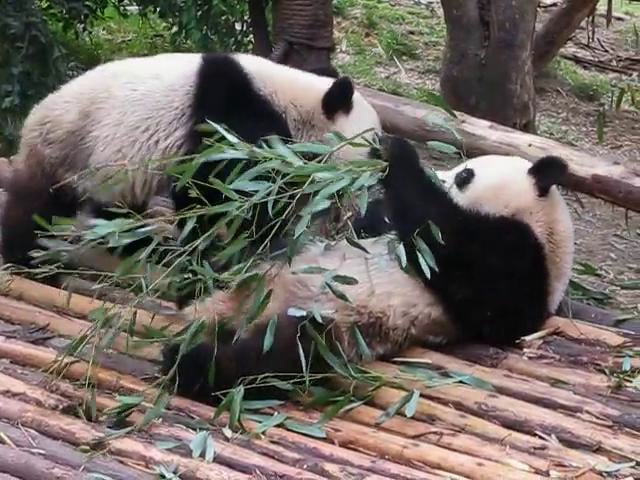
491,273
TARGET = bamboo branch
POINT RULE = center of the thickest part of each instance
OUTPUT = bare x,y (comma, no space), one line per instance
589,174
23,464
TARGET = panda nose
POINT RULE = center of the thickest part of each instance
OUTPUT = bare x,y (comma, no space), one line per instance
463,178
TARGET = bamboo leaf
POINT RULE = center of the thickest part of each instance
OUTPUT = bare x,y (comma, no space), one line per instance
311,270
198,444
150,415
236,404
355,244
344,279
412,404
269,335
271,422
435,231
210,451
337,292
442,147
425,251
310,430
394,408
363,348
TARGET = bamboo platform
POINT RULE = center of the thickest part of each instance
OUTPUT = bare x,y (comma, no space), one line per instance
554,410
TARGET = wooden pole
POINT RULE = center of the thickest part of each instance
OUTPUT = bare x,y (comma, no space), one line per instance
79,433
40,357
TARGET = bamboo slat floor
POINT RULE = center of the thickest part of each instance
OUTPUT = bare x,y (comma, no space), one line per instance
557,408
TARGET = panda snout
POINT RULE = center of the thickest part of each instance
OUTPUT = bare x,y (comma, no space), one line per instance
463,178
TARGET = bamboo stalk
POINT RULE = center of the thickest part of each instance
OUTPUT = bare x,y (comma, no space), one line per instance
451,440
26,465
409,451
15,388
49,297
63,453
546,371
580,330
442,436
39,357
79,433
522,416
534,391
227,454
20,313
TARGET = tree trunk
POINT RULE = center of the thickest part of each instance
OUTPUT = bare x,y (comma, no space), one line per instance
260,28
303,33
558,29
487,70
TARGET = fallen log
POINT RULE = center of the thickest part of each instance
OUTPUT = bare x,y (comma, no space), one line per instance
595,176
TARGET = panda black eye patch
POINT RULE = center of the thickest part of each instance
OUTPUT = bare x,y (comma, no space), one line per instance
463,178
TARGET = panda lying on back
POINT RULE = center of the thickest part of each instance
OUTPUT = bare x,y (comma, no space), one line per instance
121,114
502,266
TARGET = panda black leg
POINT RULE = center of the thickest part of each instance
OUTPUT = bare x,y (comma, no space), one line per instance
244,359
32,191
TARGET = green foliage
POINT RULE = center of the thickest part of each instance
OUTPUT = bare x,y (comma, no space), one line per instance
208,25
31,63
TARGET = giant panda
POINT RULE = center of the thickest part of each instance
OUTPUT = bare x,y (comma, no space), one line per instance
501,237
117,116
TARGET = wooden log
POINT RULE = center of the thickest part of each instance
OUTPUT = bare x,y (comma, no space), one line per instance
549,372
20,313
580,330
22,464
596,176
403,450
11,387
227,454
432,412
534,391
447,438
522,416
62,453
49,297
79,433
39,357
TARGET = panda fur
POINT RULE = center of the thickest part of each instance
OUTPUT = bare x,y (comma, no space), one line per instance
503,268
117,116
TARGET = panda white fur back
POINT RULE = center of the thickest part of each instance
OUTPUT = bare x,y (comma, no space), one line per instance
502,269
120,115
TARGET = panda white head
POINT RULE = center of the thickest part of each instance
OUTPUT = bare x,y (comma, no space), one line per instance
514,187
315,105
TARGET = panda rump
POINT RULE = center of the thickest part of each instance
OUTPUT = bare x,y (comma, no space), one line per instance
496,279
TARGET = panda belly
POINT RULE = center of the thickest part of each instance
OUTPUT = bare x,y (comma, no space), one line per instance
391,309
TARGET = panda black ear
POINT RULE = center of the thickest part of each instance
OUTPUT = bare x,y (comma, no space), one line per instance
339,98
328,71
547,172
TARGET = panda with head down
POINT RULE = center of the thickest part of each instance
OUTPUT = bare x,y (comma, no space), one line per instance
502,265
116,117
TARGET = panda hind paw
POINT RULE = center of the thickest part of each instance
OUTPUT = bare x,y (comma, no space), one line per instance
191,374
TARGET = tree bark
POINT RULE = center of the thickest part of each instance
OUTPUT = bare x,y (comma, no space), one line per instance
558,29
303,33
260,28
487,69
